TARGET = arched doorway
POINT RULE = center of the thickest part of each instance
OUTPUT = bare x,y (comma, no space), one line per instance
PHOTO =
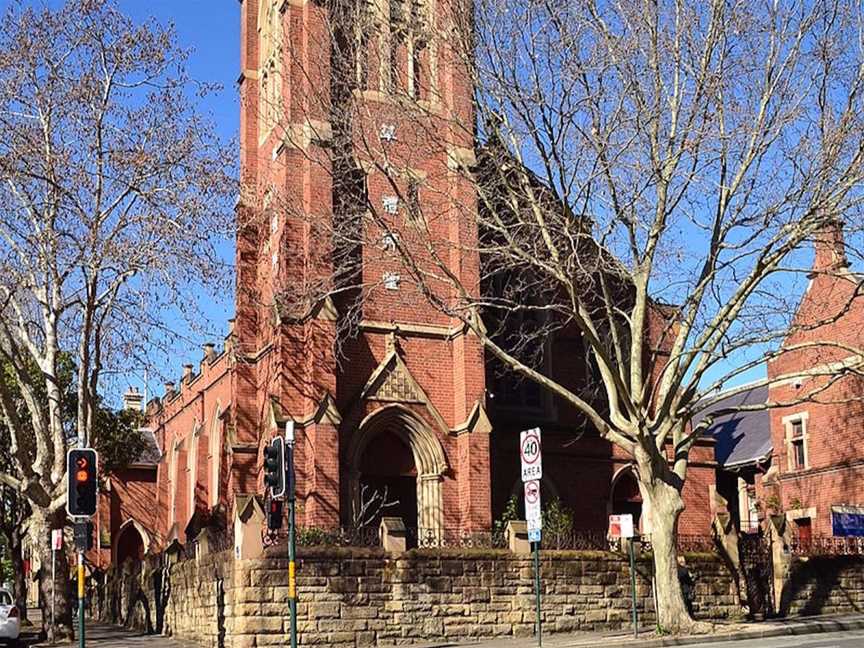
388,481
626,497
392,446
130,544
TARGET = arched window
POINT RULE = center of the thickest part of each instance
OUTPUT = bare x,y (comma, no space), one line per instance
173,463
215,456
194,440
410,54
270,48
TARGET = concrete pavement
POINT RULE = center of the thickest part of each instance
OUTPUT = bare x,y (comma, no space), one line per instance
815,632
818,632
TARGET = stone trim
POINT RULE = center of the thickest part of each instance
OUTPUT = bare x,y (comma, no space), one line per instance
477,421
797,514
414,330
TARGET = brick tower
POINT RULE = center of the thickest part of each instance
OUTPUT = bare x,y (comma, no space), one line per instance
357,112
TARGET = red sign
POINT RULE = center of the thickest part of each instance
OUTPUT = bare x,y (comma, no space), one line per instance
532,492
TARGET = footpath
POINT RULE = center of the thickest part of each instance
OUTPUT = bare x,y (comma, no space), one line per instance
725,632
105,636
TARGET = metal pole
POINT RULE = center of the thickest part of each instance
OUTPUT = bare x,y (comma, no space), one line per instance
292,579
53,589
633,588
81,599
538,626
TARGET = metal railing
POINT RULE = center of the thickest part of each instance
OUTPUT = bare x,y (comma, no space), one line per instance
575,540
826,546
455,539
366,536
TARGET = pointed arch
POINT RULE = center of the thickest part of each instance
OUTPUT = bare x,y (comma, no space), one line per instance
120,548
640,506
192,468
214,456
430,460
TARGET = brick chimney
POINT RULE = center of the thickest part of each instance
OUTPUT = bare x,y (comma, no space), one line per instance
169,390
209,352
830,249
133,399
188,374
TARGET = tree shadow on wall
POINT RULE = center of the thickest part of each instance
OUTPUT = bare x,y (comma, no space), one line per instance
819,580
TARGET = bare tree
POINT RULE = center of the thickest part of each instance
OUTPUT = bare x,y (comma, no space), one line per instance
115,193
645,177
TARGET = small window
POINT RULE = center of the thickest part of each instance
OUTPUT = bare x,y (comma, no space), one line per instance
397,67
418,71
413,199
799,455
5,599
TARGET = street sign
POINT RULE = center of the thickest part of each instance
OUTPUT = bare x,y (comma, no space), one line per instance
533,509
621,526
534,535
529,453
56,539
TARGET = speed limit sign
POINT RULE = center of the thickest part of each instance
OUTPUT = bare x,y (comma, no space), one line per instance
529,453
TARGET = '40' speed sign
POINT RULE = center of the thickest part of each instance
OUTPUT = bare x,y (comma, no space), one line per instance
529,453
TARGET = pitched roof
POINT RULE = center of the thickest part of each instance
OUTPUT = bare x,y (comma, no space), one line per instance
151,454
742,437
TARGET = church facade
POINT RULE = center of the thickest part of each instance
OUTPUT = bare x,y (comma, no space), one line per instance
407,406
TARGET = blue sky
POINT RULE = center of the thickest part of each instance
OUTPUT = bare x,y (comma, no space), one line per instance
211,29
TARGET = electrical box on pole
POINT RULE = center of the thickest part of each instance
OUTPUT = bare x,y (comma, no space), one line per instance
274,468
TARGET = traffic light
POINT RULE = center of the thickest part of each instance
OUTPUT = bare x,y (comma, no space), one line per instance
274,515
81,475
83,535
274,467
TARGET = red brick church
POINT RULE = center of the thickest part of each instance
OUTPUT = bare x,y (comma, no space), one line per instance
409,403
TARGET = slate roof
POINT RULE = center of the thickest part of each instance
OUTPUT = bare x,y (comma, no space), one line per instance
151,453
741,437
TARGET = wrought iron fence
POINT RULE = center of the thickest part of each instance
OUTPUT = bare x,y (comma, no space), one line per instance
826,546
683,543
366,536
575,540
455,538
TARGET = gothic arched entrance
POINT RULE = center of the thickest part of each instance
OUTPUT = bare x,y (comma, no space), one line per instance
626,497
388,481
393,448
131,543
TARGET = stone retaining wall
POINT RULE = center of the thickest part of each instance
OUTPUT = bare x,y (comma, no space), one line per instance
364,597
824,585
352,597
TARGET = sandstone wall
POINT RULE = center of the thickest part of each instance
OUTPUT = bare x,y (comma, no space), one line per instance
353,597
824,585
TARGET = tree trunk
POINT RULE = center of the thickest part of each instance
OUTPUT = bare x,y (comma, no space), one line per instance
41,525
19,579
666,506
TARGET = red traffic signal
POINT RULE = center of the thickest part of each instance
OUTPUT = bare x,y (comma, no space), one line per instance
81,487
